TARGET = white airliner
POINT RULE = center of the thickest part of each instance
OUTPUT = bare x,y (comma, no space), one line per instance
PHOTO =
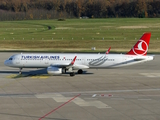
59,63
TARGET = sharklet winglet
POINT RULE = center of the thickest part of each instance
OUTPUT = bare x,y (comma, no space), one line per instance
107,52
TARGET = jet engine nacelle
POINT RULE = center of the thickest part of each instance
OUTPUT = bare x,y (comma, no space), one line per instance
54,70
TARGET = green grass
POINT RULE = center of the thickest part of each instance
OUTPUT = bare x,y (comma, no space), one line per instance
78,35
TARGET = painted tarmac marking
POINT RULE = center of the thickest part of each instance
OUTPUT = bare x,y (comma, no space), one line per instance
12,76
10,83
144,99
16,76
60,106
102,95
91,98
79,101
109,91
13,82
94,95
117,99
41,77
21,76
150,74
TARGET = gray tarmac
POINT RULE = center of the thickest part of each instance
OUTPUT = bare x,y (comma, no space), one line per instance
126,93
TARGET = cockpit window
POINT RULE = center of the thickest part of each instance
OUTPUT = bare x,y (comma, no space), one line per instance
10,58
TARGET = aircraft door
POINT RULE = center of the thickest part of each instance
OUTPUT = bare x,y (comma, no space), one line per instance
83,60
17,60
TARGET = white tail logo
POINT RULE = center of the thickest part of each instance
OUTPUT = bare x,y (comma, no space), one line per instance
141,48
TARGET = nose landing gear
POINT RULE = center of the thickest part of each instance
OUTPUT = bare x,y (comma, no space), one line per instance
20,71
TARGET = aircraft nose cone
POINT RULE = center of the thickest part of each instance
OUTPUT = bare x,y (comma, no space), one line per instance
6,62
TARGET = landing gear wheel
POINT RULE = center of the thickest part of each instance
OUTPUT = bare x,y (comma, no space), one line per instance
80,71
72,74
63,70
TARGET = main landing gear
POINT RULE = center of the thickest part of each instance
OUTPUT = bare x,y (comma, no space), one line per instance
72,74
80,71
63,70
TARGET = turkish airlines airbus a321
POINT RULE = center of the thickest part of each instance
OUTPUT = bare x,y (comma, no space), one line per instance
59,63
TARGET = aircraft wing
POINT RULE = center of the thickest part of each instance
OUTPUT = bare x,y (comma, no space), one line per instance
69,65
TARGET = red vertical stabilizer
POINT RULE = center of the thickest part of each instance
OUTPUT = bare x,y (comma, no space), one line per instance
141,47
